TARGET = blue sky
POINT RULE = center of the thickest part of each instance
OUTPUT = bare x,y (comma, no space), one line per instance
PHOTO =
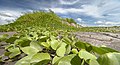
85,12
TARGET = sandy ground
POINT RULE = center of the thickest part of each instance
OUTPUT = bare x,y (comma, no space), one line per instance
9,33
111,40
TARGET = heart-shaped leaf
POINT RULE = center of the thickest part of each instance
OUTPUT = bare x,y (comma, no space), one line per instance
55,59
68,49
86,55
61,50
74,51
109,59
40,57
35,45
102,50
66,60
14,52
29,50
11,39
24,61
45,44
93,62
55,44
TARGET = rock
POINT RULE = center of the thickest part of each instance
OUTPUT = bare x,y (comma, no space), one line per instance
2,51
10,63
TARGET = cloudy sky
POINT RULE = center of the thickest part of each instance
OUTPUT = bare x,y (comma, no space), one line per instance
85,12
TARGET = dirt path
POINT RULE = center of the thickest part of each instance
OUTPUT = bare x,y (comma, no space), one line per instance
9,33
111,40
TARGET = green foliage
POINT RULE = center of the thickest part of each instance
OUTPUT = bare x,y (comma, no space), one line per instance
40,57
43,40
3,37
50,21
55,44
41,48
14,52
109,59
100,29
70,20
39,19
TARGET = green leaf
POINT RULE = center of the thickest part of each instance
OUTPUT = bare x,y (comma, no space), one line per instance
109,49
29,50
67,40
86,55
11,39
109,59
40,57
103,60
14,52
44,62
93,62
76,60
45,44
102,50
55,59
99,50
24,61
23,42
35,45
66,60
55,44
52,37
61,50
9,46
42,39
74,51
7,53
3,37
68,49
80,45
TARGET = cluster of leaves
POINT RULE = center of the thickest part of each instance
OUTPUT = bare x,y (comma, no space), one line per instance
42,47
70,20
39,19
51,21
100,29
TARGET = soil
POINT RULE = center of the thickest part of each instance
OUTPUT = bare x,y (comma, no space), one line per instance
111,40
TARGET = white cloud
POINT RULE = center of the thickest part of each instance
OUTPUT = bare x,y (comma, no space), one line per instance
107,23
5,19
99,22
88,10
8,15
68,2
79,19
98,9
65,11
91,10
81,22
11,13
